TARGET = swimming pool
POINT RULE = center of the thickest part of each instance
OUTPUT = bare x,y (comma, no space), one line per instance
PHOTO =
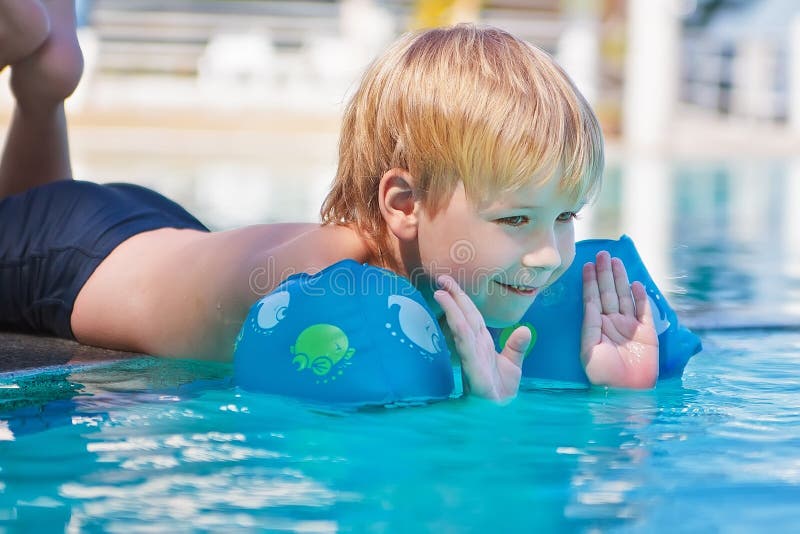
128,447
157,445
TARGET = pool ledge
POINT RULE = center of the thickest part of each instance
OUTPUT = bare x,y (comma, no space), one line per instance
24,352
740,319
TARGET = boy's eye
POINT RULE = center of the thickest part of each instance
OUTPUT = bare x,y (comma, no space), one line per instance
566,216
516,220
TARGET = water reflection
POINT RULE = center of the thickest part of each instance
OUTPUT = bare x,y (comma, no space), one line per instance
791,235
736,226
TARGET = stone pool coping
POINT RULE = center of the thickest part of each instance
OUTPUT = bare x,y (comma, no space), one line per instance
25,352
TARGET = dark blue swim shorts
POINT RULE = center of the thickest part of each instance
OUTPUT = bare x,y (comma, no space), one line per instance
53,237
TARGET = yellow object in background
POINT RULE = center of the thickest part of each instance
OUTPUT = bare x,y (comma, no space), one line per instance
434,13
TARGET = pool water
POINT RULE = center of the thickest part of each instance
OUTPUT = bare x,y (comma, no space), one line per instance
160,445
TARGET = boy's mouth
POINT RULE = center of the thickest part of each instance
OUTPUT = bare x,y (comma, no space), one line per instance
528,291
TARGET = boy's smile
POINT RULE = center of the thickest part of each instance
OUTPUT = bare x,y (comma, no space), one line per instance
504,251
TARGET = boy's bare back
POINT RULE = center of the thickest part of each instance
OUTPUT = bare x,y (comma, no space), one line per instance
185,293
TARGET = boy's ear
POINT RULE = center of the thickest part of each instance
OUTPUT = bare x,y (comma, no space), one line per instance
398,203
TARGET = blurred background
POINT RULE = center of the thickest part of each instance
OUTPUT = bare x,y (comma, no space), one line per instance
232,108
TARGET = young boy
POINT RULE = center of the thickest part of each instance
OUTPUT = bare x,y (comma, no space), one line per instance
465,155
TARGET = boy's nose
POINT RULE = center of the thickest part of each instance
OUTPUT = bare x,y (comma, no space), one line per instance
543,257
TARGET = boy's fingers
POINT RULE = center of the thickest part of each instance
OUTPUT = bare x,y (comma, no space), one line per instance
623,287
517,344
644,313
462,333
605,281
592,323
591,329
453,315
467,307
591,292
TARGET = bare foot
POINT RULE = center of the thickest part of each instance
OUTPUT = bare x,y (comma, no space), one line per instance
51,73
24,25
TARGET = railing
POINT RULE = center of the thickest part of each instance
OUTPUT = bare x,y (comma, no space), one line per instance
170,36
746,79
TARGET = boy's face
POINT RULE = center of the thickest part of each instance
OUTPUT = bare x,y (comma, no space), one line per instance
504,251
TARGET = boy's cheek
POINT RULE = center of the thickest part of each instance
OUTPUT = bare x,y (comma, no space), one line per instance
566,263
567,257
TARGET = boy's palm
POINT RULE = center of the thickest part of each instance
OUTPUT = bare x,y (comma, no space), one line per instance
619,344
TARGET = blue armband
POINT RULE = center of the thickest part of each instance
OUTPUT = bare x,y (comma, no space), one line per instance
557,313
351,333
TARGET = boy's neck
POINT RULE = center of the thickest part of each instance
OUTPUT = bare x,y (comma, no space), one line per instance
403,258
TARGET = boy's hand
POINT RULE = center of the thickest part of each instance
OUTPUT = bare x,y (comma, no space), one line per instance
619,344
486,373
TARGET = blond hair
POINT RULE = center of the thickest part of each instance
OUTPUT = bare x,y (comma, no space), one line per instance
466,103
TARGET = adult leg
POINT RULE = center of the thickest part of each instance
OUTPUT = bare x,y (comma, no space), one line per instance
37,148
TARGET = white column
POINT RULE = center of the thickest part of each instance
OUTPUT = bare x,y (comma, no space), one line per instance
579,48
90,46
651,71
794,75
752,79
646,206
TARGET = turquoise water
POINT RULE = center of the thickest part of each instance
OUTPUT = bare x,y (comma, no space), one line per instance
161,445
144,445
